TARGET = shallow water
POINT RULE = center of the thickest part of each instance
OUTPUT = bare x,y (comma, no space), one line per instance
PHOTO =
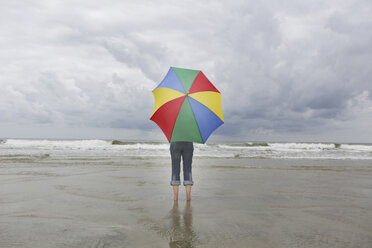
75,198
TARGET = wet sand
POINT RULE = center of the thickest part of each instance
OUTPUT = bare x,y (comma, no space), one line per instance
236,203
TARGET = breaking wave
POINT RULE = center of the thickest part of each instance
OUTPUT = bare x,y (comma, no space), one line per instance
250,150
249,144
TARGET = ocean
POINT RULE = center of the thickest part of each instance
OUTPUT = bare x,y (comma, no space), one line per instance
34,150
116,193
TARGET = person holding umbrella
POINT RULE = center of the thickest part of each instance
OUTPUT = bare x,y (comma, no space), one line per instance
185,150
188,109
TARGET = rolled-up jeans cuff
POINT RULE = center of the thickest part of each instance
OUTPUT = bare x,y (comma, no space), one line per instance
174,183
188,183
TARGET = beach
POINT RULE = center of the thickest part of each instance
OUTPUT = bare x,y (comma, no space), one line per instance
97,198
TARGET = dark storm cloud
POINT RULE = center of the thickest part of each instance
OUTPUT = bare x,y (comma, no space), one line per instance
137,53
295,73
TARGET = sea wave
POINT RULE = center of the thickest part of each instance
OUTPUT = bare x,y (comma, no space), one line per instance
249,144
57,144
23,157
246,150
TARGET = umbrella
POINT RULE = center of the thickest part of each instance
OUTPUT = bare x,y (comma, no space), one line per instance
187,106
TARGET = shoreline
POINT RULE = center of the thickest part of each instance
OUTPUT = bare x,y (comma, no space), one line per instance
110,203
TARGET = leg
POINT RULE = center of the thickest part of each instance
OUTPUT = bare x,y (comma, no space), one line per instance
176,161
175,192
188,192
187,168
187,154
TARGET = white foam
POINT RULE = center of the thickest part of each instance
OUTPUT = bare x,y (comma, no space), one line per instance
301,146
57,144
356,147
141,149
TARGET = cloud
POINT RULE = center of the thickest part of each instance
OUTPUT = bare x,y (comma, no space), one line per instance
289,69
303,77
135,52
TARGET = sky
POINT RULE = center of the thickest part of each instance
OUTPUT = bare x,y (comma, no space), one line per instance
287,70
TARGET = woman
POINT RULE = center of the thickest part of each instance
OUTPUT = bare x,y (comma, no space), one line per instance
185,150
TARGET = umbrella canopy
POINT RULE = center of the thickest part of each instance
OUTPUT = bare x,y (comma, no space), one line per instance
187,106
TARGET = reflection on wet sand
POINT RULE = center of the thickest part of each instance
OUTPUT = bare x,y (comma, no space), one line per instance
181,231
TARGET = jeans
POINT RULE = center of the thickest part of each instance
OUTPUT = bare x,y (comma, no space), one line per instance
184,150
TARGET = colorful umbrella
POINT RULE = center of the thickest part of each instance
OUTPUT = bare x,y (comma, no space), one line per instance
187,106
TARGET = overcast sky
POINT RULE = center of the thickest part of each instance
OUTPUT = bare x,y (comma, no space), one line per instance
287,70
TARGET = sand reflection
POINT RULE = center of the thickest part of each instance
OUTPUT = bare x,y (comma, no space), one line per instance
181,231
